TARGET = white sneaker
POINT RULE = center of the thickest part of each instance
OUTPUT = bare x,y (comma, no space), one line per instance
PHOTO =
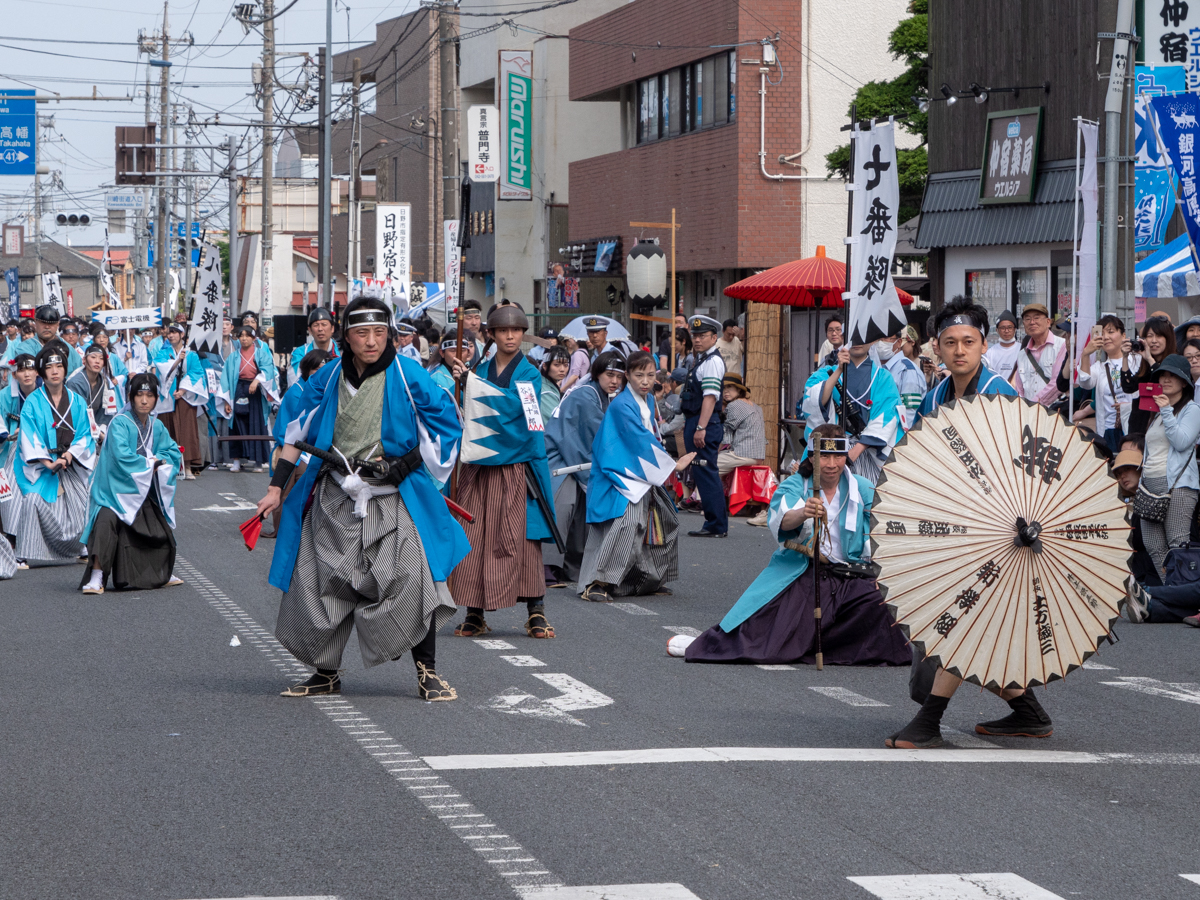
188,476
235,466
759,519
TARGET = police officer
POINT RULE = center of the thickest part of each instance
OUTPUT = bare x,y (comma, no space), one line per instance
406,341
597,332
702,430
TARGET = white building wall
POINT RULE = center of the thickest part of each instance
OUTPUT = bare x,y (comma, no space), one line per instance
563,132
845,46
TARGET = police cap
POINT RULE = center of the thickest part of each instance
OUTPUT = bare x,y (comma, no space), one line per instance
702,324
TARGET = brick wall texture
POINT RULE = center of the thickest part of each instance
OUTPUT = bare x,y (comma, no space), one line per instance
731,216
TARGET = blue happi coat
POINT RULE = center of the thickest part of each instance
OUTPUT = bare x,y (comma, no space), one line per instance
571,431
11,401
39,440
495,433
33,346
267,378
428,420
191,378
985,383
627,459
787,565
883,427
299,354
124,477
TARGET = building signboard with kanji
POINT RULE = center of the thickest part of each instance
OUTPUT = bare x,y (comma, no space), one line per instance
483,144
1171,36
1011,144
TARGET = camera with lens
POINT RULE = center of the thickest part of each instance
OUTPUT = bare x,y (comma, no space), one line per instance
1137,345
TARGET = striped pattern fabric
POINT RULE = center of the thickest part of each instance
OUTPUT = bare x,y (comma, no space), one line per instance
617,553
368,572
1169,272
48,533
744,430
503,566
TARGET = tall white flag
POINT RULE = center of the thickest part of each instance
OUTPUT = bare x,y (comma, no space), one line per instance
874,306
208,309
1086,254
52,294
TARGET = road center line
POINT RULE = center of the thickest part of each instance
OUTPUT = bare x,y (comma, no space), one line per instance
798,754
522,880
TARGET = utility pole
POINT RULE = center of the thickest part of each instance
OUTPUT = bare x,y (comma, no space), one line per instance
354,223
268,151
231,149
325,169
162,218
1113,101
448,122
189,163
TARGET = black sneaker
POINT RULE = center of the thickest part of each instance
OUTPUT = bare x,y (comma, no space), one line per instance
710,534
317,684
1027,719
915,737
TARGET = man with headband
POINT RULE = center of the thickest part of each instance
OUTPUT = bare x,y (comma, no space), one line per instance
773,622
24,382
961,333
320,337
57,456
131,510
98,390
358,550
182,392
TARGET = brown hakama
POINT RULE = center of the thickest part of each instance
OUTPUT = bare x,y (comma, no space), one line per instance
183,428
503,566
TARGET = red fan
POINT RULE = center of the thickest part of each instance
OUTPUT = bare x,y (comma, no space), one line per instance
250,530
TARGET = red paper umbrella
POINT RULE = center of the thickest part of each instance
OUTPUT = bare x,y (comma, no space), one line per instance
817,281
250,530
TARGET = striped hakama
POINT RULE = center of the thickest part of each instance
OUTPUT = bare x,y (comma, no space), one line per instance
48,533
10,514
618,554
368,572
503,566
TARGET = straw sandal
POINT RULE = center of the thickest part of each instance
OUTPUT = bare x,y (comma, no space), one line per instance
536,626
317,684
472,626
431,687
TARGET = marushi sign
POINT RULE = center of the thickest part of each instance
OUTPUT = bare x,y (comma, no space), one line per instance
516,117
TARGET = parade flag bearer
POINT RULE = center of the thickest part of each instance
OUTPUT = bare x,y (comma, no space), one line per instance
131,517
961,333
504,456
358,550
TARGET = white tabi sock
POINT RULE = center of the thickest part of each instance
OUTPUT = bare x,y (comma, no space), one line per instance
97,579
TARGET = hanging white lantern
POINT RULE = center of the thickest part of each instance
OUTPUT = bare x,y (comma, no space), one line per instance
646,274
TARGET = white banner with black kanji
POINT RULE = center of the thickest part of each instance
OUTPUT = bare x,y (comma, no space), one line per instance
874,306
208,309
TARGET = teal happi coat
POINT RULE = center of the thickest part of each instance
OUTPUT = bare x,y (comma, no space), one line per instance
191,378
124,477
33,346
39,440
787,565
267,378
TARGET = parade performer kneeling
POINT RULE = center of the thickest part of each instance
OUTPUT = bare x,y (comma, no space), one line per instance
773,621
961,333
57,455
632,533
131,515
504,482
354,549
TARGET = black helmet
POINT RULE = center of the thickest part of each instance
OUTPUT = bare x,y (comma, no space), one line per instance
507,316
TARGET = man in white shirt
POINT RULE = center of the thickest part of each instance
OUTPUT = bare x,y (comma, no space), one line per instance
1001,358
1038,362
909,381
729,345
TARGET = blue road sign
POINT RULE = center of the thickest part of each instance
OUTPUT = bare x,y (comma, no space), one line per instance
18,132
174,258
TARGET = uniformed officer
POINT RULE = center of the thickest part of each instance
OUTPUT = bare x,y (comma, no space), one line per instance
597,332
406,341
702,429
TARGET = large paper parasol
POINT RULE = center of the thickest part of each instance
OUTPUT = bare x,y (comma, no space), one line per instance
816,281
1002,541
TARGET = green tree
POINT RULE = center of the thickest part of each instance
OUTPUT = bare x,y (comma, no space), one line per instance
908,42
223,248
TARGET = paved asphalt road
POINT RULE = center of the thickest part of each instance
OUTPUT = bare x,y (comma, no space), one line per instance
146,754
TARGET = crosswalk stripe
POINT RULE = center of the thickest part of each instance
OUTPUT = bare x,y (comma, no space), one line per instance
617,892
1193,878
523,660
777,668
847,696
686,630
984,886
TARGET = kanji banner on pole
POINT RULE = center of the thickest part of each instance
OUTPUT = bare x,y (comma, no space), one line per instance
52,294
106,278
1087,253
208,310
1176,120
873,306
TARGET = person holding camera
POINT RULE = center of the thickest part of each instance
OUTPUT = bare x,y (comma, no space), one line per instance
1156,344
1110,398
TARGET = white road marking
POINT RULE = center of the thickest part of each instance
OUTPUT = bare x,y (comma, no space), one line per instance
984,886
847,696
965,739
1188,692
321,897
617,892
776,668
522,877
1092,664
1193,878
686,630
798,754
574,695
633,609
517,702
523,660
494,645
239,503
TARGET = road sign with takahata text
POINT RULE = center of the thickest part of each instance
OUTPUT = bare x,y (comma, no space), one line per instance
18,133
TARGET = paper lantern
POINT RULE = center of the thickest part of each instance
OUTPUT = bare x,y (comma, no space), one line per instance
646,274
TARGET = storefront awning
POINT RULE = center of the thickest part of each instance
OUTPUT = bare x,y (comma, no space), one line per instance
951,215
1169,272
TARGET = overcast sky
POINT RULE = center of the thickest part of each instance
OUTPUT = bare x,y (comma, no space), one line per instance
67,47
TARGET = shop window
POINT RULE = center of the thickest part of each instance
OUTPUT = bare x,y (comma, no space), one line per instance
988,288
698,95
1063,296
1029,286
